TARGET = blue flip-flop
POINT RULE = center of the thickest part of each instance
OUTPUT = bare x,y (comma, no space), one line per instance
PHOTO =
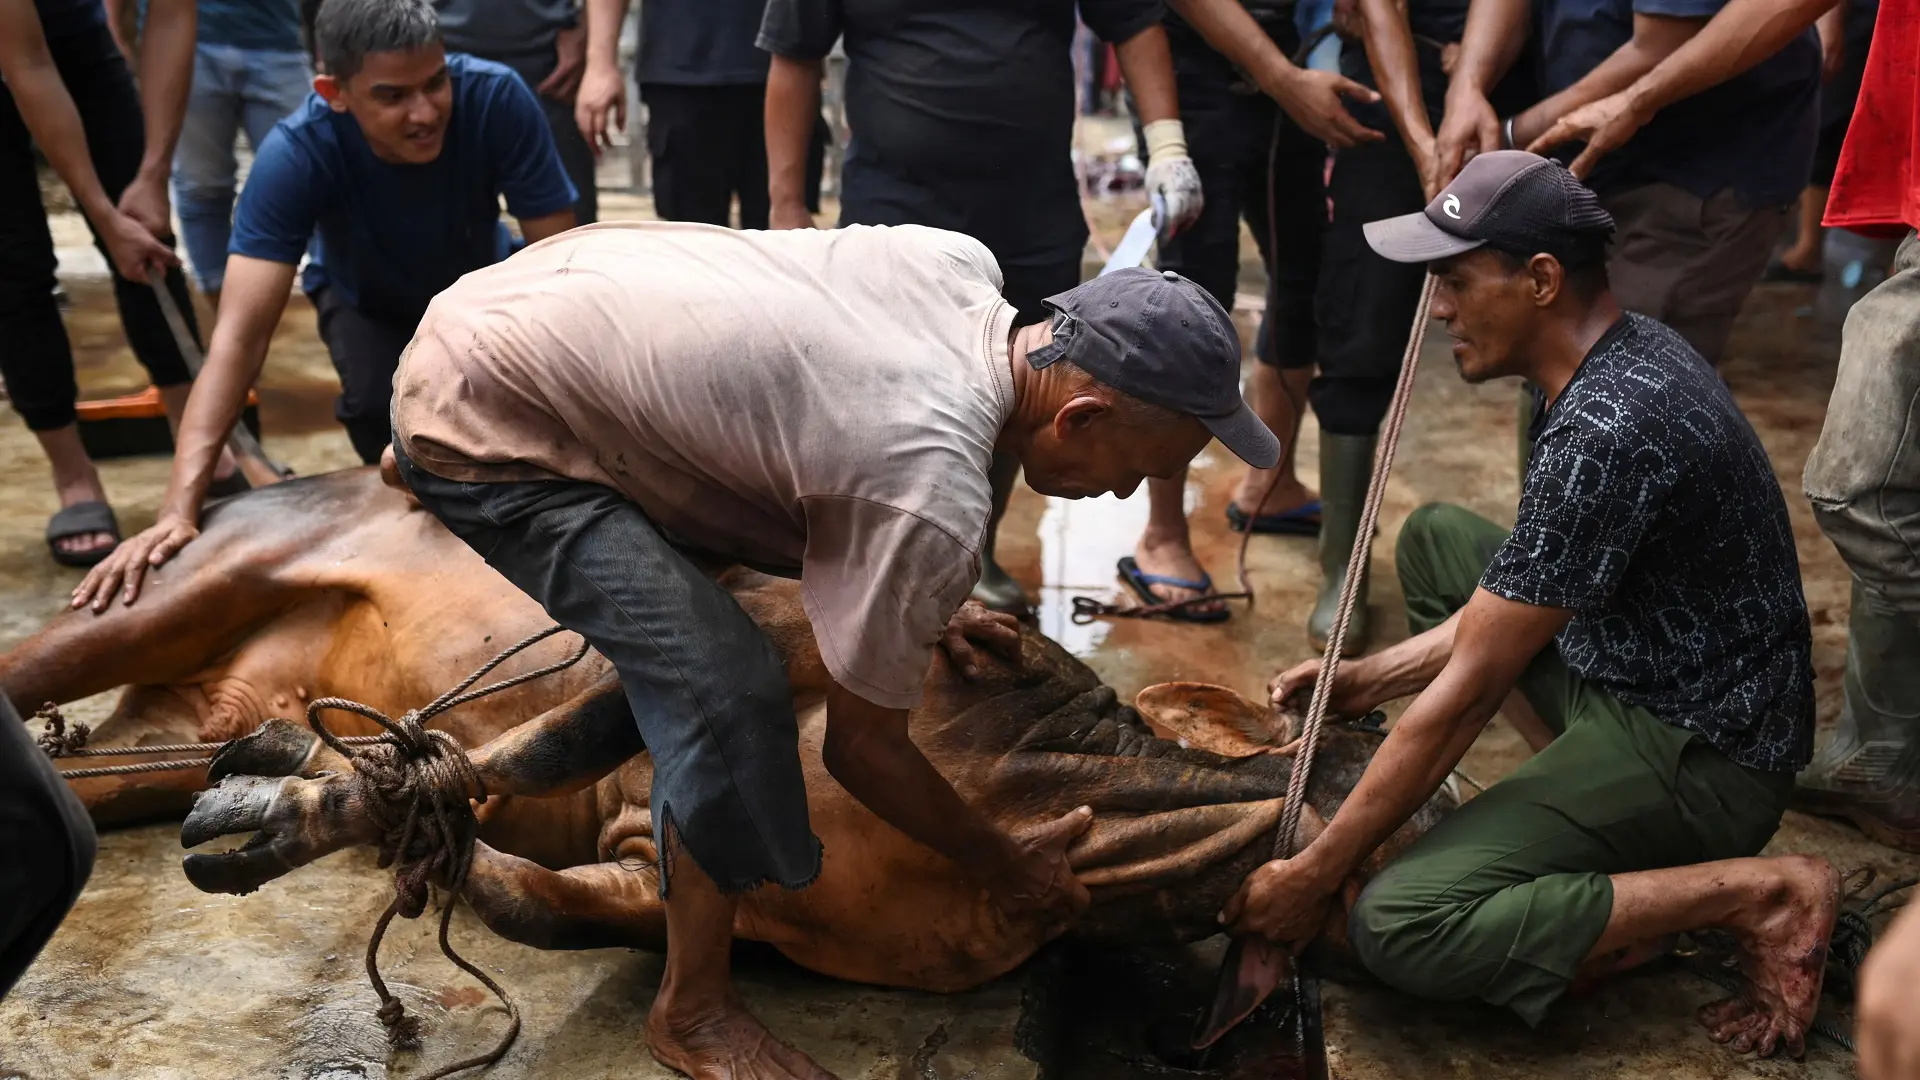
1302,520
1141,583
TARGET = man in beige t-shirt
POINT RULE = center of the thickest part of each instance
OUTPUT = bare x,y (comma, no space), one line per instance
819,404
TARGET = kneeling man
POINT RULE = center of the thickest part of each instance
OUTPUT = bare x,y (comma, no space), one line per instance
1645,615
824,404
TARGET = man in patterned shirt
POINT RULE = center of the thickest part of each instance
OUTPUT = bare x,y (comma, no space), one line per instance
1643,621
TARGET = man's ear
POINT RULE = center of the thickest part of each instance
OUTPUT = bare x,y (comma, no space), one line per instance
1078,413
1548,278
328,88
1215,719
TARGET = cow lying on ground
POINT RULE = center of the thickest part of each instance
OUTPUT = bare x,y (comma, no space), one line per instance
335,586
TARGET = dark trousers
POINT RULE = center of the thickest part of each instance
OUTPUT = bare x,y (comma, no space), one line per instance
365,350
48,848
575,155
36,360
1365,303
1026,286
1251,158
706,687
709,144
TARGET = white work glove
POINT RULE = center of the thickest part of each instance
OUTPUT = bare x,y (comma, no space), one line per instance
1171,175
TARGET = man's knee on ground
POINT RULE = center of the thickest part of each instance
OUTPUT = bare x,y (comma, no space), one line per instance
1417,935
1419,540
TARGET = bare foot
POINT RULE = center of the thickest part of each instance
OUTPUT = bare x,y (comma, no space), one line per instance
1783,954
1288,494
723,1044
1174,559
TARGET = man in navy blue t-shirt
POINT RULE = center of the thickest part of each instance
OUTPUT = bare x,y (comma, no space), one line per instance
395,168
1699,119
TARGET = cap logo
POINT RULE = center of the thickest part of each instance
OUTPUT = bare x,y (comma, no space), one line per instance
1451,207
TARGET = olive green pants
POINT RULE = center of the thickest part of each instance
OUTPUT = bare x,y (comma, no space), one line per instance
1504,899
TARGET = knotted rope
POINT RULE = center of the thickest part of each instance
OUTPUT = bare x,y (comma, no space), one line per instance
420,787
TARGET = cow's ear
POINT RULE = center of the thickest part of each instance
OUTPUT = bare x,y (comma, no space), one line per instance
1216,719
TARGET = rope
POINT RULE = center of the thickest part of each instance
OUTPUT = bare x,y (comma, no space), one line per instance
420,785
1356,571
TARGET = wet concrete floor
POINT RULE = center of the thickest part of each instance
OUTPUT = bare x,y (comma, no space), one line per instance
150,978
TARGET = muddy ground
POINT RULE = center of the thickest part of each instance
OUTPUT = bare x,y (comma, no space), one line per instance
152,979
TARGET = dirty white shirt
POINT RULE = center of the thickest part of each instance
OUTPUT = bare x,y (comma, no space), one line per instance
823,400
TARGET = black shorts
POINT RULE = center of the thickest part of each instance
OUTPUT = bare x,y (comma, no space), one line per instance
1365,303
708,144
1250,157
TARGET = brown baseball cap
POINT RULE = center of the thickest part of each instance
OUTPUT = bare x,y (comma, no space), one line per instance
1509,199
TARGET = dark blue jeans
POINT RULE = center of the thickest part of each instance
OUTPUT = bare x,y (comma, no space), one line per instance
706,687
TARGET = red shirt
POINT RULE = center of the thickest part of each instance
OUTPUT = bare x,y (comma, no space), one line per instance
1877,187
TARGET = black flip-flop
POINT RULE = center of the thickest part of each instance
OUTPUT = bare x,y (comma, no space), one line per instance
1781,272
1302,520
82,519
1141,583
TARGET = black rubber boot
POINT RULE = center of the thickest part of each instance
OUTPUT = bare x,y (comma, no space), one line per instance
1346,465
1869,772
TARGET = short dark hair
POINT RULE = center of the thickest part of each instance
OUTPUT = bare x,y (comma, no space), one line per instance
345,31
1583,259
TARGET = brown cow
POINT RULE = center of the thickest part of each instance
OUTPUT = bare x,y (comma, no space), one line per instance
335,586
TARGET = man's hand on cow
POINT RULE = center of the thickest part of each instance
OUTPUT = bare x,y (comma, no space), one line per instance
1038,883
1284,901
973,623
1354,693
126,568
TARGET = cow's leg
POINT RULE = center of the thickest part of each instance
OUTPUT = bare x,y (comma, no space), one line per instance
606,905
284,785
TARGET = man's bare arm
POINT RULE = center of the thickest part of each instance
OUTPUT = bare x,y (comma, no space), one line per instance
1490,43
1493,641
868,750
51,118
1740,35
1311,98
1396,69
166,77
538,229
793,104
1655,37
251,303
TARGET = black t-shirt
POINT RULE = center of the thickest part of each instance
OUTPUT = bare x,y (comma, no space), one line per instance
1651,511
58,18
960,112
700,43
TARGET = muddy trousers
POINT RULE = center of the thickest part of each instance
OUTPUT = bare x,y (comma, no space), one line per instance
48,844
1502,901
706,687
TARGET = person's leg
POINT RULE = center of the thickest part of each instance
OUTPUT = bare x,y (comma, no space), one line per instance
1439,558
37,364
1805,253
749,157
1365,306
204,166
1544,878
1863,478
1284,202
687,146
365,351
711,698
49,844
1024,287
1208,253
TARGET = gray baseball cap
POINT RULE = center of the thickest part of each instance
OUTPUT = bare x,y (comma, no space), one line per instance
1158,337
1510,199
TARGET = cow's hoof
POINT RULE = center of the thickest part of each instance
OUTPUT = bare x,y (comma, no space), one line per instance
278,747
236,805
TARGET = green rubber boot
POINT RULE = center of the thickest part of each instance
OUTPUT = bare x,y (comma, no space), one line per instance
996,588
1869,771
1346,464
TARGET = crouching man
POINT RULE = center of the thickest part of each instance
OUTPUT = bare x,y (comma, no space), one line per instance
821,404
1643,620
